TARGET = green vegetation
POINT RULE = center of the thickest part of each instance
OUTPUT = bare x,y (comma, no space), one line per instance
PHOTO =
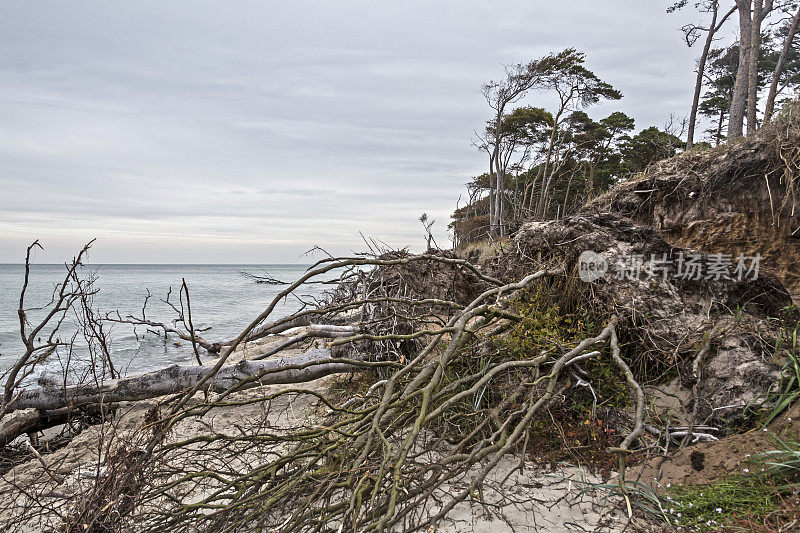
733,500
721,75
546,163
763,494
789,386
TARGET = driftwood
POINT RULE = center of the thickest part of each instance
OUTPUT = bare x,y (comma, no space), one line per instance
33,420
215,348
273,328
18,423
262,278
305,367
322,331
52,403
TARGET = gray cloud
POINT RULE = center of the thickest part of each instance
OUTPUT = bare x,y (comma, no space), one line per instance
190,131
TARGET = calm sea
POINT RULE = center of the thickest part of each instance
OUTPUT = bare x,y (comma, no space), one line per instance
221,298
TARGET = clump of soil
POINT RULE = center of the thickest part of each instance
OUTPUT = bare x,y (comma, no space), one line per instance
737,454
741,198
665,320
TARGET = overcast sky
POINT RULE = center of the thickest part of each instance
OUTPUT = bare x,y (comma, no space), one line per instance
229,132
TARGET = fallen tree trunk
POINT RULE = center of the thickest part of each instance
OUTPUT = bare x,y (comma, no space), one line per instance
324,331
273,328
313,331
308,366
15,424
34,420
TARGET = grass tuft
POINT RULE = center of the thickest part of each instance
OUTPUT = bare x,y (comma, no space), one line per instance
763,497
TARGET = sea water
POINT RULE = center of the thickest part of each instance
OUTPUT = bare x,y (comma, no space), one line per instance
221,298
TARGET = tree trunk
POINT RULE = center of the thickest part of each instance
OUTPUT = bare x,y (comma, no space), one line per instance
566,194
18,423
545,177
308,366
492,196
531,212
272,328
498,202
34,420
752,65
701,68
787,46
528,190
739,100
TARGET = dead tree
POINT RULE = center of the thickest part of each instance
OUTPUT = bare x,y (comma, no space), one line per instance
309,366
438,401
264,278
368,465
66,295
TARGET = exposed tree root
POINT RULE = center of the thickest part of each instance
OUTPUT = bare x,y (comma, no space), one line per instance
441,397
